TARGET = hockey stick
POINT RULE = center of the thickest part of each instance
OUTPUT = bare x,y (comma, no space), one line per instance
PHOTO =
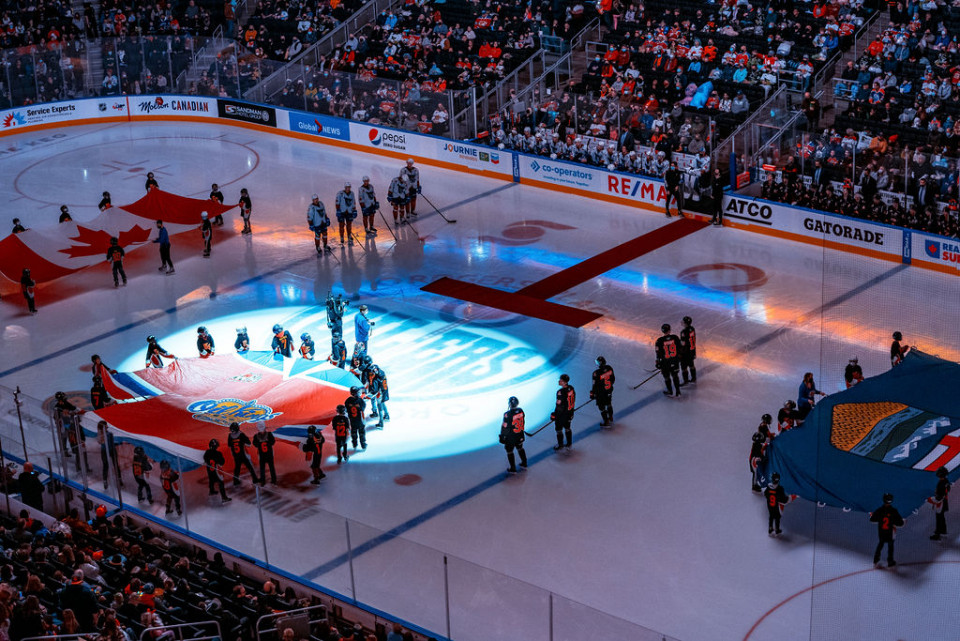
551,421
449,220
386,224
645,380
354,237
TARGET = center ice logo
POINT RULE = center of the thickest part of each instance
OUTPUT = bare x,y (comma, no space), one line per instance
897,434
230,410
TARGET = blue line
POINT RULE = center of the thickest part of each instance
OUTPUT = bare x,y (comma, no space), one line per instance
148,319
467,201
468,494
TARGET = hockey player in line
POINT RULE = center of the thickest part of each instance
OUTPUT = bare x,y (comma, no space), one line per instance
398,195
776,499
346,211
313,447
335,308
562,415
237,443
355,406
412,174
668,360
787,417
170,482
602,390
264,442
319,223
368,206
688,351
512,434
758,451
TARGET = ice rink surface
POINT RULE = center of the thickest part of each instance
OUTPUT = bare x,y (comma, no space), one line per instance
650,523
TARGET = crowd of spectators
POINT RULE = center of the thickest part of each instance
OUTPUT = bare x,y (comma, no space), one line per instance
891,155
280,30
111,580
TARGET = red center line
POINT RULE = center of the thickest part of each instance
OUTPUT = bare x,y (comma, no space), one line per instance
612,258
532,300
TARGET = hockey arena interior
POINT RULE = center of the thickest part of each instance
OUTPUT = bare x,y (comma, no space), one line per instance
381,320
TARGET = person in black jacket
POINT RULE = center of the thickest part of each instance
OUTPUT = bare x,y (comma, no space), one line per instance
237,443
77,596
717,197
31,489
672,178
215,462
888,519
941,503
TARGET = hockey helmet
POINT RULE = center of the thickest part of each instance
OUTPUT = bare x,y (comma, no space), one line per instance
887,498
775,479
95,358
365,179
790,405
409,162
354,391
336,335
63,208
601,361
114,240
565,378
241,330
151,338
214,444
305,336
277,328
234,427
758,437
766,418
897,336
164,464
367,359
203,215
854,360
942,472
341,409
687,321
201,330
138,451
514,402
665,328
60,396
311,429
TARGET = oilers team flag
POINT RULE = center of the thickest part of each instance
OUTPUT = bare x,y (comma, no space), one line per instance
889,433
56,250
174,411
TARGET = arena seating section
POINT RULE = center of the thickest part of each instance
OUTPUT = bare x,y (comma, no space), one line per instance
135,577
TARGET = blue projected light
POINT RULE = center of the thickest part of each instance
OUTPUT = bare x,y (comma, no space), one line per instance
449,383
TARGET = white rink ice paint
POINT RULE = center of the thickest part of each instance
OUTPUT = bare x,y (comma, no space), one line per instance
650,523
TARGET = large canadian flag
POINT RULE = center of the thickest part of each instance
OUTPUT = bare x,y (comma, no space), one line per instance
58,250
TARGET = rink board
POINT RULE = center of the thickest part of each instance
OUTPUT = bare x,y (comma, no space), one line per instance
874,240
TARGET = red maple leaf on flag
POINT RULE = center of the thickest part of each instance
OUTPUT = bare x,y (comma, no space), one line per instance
94,242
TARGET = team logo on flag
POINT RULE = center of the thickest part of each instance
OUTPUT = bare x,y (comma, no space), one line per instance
897,434
249,377
231,410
